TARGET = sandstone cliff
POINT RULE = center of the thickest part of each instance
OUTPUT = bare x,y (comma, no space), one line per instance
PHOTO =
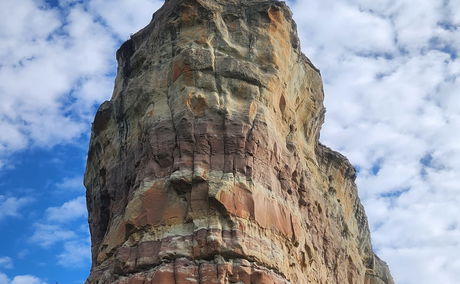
205,166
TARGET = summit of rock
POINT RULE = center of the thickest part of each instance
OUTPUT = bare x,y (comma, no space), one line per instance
206,167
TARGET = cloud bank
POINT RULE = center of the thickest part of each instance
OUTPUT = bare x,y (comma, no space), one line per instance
391,73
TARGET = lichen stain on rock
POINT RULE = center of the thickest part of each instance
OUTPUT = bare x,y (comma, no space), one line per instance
197,104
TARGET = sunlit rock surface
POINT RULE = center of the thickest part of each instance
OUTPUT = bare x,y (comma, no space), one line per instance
205,166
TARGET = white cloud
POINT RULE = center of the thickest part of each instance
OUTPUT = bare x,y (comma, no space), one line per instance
406,261
70,184
6,262
21,279
75,254
454,7
46,235
26,279
11,206
125,17
68,211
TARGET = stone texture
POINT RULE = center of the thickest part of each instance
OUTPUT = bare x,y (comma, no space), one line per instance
205,166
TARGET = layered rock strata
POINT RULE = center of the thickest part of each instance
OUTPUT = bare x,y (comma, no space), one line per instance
205,166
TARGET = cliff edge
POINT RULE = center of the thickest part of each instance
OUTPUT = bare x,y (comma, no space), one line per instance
206,167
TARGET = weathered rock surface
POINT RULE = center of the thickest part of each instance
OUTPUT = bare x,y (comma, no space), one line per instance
205,166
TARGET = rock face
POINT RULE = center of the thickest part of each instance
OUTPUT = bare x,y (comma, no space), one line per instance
205,166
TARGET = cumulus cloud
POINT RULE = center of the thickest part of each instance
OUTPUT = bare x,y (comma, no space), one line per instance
46,235
70,184
75,254
68,211
11,206
21,279
391,76
26,279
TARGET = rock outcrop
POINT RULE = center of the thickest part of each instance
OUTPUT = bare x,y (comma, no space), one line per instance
205,166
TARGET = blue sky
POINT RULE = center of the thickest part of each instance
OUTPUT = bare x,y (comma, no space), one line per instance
391,74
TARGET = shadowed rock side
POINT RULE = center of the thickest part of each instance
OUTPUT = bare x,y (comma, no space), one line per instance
205,166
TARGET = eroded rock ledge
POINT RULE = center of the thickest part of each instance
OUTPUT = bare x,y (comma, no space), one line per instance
205,166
